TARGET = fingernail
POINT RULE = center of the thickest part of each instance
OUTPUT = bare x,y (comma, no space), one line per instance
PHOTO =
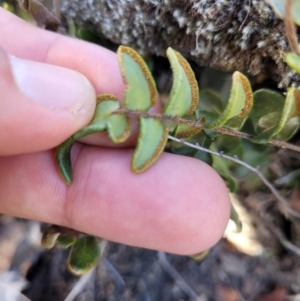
52,86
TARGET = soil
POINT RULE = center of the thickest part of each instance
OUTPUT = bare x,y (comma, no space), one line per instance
128,273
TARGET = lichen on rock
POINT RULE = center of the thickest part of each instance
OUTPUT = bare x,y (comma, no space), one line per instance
243,35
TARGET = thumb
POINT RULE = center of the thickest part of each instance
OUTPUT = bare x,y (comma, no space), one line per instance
41,105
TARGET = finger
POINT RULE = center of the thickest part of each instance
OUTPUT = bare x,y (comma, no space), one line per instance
183,211
98,64
40,105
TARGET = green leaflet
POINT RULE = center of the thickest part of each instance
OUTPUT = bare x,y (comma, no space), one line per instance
293,60
279,8
203,156
179,149
266,111
65,241
211,105
272,114
223,169
84,255
289,121
237,122
239,103
58,236
118,127
152,139
184,95
85,249
200,256
292,122
185,131
290,129
210,108
140,93
229,144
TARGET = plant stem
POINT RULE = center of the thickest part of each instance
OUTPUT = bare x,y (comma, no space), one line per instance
285,207
175,119
56,6
234,133
177,277
290,28
200,124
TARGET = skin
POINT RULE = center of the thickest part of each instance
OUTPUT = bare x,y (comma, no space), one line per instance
180,205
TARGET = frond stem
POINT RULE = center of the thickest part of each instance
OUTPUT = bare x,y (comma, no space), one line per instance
200,124
290,28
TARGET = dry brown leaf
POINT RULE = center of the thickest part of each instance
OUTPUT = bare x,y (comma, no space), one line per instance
41,14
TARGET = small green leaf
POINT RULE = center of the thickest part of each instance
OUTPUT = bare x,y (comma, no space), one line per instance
293,60
65,241
266,110
292,112
186,131
184,95
271,113
218,163
180,149
211,105
50,236
222,167
140,93
290,129
203,156
60,236
118,127
239,103
210,109
235,217
223,170
63,160
229,144
200,256
84,255
279,8
152,139
237,122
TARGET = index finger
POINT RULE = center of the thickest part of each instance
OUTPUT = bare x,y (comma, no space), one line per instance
98,64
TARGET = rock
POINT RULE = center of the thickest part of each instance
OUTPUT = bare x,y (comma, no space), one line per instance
225,35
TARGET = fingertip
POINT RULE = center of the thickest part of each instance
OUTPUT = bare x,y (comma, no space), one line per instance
197,208
41,105
53,87
180,205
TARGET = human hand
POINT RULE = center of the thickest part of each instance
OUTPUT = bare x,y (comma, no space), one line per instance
179,205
